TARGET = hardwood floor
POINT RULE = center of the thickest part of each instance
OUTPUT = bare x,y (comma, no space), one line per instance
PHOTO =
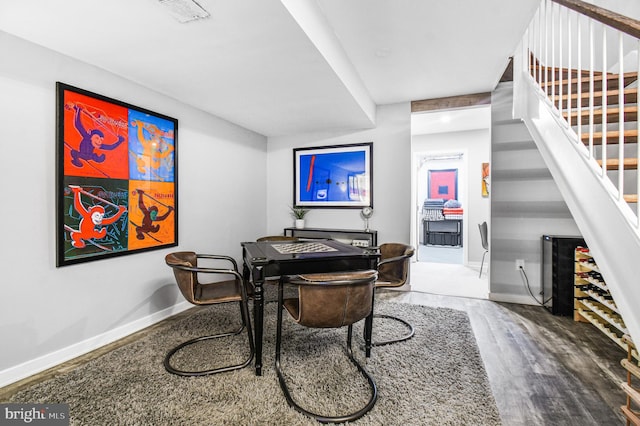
543,369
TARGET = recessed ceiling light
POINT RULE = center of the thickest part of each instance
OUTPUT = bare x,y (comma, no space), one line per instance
185,10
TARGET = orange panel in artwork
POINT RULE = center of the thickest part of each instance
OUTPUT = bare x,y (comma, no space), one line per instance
151,213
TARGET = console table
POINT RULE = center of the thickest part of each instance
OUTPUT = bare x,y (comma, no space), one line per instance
442,232
354,237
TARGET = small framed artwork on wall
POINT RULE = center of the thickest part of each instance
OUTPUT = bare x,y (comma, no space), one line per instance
485,179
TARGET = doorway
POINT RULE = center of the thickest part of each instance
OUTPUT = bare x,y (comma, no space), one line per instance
448,150
441,218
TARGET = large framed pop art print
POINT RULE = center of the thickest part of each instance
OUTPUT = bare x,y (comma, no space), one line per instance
116,177
336,176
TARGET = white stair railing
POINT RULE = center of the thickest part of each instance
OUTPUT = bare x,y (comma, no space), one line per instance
564,45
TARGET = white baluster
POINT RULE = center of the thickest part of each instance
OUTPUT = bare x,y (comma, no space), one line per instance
591,64
579,86
545,75
553,55
638,129
560,50
569,62
539,52
621,117
531,41
528,52
605,82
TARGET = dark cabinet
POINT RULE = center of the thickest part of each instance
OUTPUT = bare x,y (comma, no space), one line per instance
558,271
442,232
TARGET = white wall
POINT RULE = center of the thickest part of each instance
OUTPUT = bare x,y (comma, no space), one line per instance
391,177
48,314
525,205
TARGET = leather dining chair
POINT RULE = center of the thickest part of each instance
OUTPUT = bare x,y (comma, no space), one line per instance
393,271
225,286
330,300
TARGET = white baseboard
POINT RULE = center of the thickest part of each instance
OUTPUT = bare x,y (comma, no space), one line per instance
37,365
512,298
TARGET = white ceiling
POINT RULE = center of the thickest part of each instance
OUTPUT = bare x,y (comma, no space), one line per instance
281,67
445,121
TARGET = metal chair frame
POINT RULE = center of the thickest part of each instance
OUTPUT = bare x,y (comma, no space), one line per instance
244,313
281,379
410,330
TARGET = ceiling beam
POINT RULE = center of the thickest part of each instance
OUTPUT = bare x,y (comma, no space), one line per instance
312,21
451,102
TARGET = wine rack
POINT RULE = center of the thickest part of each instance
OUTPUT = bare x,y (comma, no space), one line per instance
593,302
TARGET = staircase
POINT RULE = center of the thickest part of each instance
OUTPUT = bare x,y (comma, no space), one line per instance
561,86
585,125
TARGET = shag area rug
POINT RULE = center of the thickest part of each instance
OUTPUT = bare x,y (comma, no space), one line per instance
436,378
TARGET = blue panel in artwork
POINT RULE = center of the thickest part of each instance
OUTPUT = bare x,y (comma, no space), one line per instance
443,189
327,175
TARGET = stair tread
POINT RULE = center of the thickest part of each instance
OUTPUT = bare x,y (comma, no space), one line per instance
610,110
630,113
630,96
613,136
596,78
614,163
598,94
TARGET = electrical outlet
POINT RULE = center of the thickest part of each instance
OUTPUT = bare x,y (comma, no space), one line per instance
519,264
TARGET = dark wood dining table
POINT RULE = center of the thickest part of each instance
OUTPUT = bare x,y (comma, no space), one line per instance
266,259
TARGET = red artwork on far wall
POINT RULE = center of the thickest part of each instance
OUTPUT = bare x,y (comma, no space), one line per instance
443,184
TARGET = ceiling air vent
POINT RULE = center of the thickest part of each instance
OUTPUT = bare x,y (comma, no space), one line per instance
185,10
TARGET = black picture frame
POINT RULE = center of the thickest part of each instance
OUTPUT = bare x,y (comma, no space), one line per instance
116,177
333,176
